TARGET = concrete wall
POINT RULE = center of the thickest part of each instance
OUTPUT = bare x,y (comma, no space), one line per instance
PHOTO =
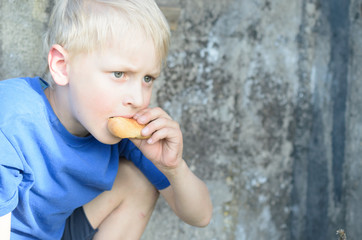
269,96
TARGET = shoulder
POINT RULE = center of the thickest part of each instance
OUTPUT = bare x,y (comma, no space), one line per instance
19,84
23,108
20,96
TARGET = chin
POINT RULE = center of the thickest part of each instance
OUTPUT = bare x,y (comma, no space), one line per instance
112,142
109,140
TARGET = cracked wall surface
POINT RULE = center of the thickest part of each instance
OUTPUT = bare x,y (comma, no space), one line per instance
269,98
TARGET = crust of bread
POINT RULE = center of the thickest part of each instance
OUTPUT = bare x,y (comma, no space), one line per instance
125,128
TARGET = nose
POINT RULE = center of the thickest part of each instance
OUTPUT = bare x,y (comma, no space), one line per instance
133,95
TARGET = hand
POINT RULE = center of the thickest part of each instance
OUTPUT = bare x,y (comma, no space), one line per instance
164,147
188,197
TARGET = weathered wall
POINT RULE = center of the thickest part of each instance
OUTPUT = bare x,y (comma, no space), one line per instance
22,24
269,96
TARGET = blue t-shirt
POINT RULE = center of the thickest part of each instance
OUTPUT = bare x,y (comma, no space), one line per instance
46,172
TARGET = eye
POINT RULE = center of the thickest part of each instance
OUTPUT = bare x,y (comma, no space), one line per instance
148,79
118,74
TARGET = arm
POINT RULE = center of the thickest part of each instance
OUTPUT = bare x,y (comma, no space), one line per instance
5,223
187,195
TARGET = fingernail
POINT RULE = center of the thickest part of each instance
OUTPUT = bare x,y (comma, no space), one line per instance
149,141
142,120
145,131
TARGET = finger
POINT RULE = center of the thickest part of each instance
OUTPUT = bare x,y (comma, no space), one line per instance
165,133
140,113
147,115
136,142
159,124
151,114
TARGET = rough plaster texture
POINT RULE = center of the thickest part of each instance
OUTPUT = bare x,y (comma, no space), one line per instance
269,97
22,24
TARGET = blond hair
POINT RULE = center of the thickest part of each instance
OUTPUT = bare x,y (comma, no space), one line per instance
87,25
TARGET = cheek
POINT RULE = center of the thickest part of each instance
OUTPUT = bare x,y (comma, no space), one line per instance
95,102
147,97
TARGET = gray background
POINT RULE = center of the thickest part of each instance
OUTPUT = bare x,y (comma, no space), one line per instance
269,97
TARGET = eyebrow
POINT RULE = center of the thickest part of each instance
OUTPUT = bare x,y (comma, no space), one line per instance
128,67
120,64
155,74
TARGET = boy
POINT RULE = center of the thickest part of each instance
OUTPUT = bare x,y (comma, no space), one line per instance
63,175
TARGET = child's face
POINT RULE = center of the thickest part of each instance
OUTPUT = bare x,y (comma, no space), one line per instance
114,81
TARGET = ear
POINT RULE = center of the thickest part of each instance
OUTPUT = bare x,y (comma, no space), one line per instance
57,61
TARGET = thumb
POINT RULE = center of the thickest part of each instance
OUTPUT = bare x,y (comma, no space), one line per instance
136,142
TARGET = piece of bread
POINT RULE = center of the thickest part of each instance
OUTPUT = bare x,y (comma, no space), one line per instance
125,128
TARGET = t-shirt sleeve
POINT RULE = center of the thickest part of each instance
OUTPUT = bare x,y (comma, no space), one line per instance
153,174
10,176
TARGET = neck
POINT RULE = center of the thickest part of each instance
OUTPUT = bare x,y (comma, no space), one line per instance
60,104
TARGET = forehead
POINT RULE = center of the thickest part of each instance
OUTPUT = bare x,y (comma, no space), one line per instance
131,40
133,50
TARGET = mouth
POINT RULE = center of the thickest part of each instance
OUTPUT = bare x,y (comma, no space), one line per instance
124,116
